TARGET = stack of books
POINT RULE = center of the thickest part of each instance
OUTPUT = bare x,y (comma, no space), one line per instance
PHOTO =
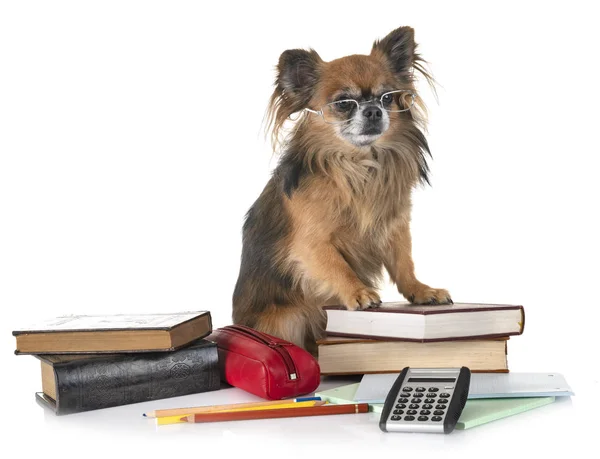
396,335
93,362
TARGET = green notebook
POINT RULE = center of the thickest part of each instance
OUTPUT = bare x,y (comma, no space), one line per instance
475,413
483,410
345,394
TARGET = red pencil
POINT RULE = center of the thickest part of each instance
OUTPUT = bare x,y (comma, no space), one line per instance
282,413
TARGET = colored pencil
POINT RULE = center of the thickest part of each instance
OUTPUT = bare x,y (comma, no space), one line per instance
213,408
164,420
284,413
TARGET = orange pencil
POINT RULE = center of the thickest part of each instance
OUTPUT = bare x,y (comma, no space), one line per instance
232,406
282,413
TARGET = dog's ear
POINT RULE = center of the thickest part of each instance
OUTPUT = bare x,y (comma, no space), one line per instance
297,75
298,72
398,47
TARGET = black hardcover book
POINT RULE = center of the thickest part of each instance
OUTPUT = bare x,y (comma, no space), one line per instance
76,383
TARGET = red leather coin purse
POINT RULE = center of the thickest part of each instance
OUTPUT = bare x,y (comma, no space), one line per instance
264,365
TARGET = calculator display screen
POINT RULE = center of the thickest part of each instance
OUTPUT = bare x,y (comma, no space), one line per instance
432,380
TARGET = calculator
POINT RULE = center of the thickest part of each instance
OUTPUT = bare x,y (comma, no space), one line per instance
426,400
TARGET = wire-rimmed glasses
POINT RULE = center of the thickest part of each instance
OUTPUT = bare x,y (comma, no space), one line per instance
342,111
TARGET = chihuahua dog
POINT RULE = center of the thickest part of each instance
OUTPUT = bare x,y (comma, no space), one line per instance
336,210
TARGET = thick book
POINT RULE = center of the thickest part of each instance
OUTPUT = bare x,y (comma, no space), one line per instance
409,322
77,383
75,334
349,356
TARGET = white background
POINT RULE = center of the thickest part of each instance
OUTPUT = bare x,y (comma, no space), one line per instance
131,148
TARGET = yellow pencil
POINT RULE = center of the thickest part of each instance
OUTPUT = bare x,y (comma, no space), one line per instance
163,420
213,408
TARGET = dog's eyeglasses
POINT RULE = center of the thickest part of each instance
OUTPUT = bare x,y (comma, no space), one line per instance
342,111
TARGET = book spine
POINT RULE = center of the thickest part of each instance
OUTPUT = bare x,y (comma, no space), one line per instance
120,380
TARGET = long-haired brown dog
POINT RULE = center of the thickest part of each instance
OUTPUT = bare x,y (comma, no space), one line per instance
337,208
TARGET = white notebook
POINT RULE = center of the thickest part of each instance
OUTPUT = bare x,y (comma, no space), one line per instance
374,388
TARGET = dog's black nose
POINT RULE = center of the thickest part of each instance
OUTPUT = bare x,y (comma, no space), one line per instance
372,113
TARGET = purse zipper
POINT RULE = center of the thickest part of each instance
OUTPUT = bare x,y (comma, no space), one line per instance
277,347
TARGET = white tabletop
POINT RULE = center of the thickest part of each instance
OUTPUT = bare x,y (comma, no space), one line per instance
123,431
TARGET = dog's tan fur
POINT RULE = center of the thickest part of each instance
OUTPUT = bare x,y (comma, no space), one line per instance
334,214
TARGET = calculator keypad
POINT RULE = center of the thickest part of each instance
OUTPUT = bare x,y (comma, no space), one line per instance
422,401
425,400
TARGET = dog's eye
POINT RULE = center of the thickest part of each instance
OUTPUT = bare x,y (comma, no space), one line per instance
387,99
343,104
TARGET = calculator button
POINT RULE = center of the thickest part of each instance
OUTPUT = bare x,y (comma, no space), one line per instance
433,389
418,394
440,407
438,412
425,412
398,411
443,400
427,406
445,395
429,400
409,418
431,395
416,400
413,406
423,418
403,400
396,418
436,418
411,412
407,394
406,389
400,406
420,389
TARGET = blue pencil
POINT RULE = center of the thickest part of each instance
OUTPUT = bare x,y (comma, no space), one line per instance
306,399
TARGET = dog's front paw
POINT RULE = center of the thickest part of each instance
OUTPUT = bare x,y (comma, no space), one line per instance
363,298
424,294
